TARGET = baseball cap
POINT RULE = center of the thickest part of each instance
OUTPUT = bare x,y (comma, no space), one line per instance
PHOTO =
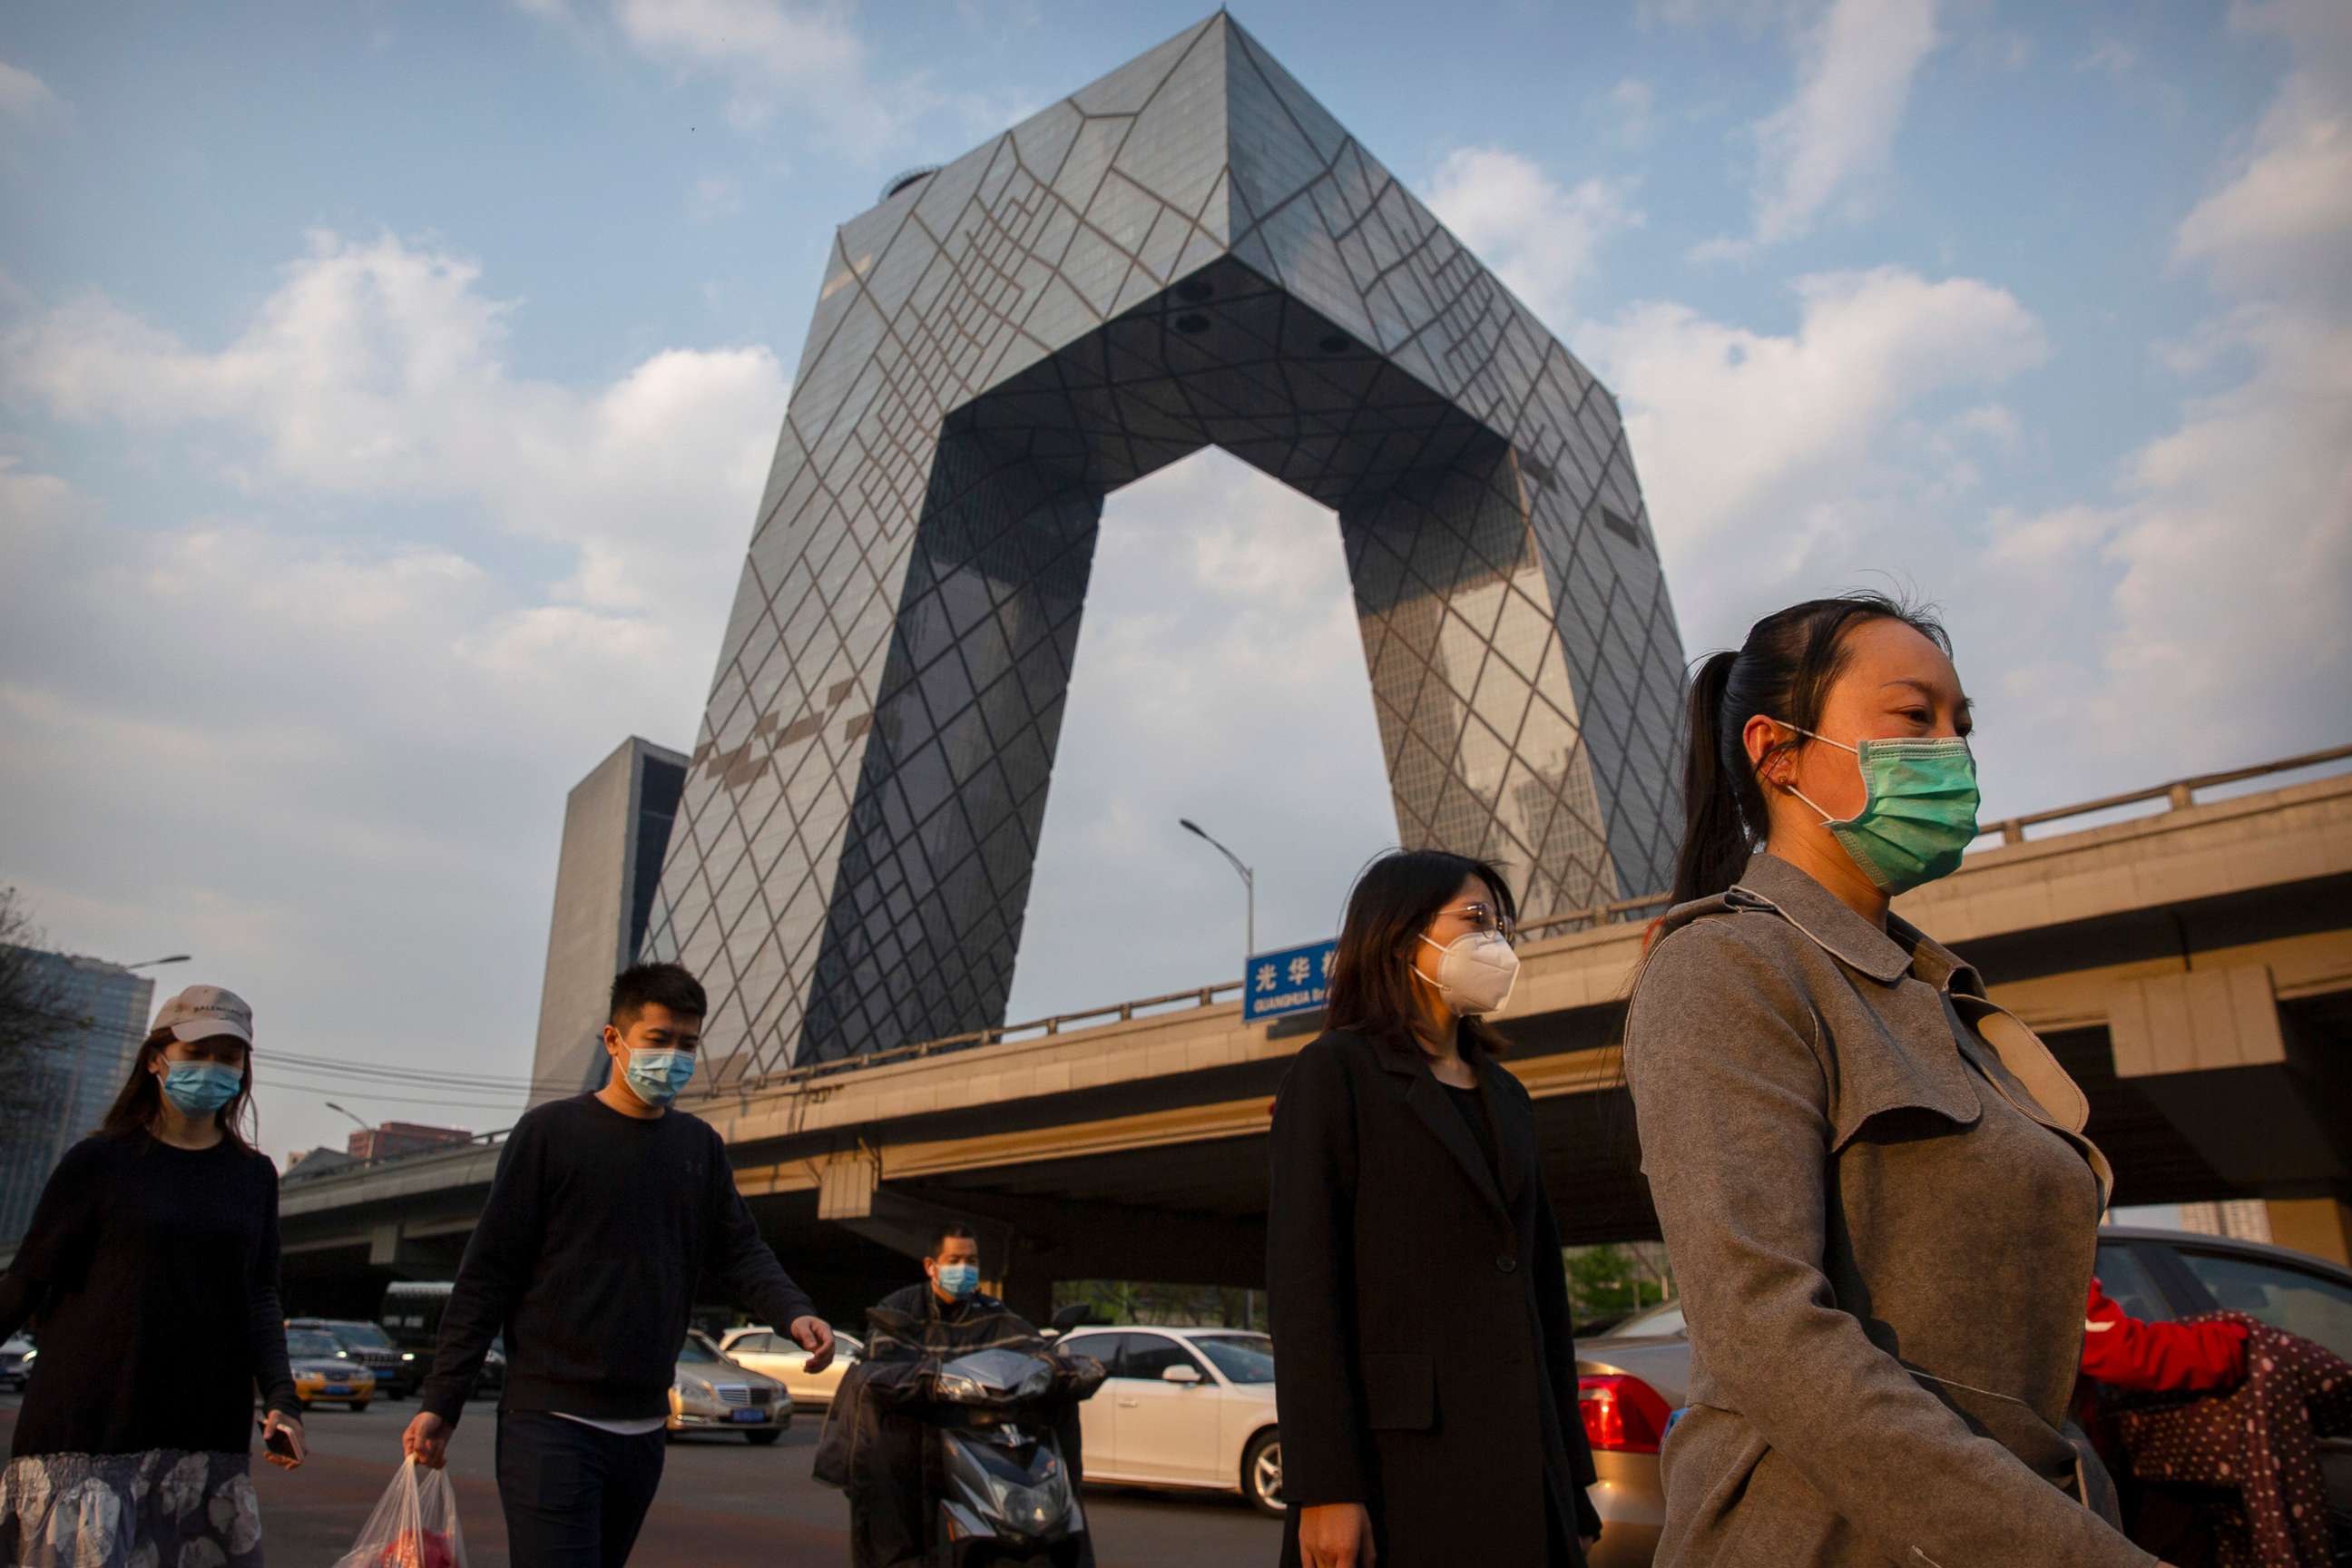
201,1012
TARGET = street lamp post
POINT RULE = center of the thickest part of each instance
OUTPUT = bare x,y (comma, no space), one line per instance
1249,884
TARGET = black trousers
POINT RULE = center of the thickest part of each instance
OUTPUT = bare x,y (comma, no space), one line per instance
574,1496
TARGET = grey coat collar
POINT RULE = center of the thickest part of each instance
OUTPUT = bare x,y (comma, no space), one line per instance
1886,956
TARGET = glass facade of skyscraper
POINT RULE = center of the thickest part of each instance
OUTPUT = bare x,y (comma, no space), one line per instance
1189,252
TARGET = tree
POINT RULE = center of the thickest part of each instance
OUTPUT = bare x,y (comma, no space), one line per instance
1177,1305
1610,1280
33,1006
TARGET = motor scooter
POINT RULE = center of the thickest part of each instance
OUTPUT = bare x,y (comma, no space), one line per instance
1006,1494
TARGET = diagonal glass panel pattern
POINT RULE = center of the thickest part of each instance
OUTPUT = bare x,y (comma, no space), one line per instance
1189,252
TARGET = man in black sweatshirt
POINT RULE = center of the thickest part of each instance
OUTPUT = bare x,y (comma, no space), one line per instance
604,1211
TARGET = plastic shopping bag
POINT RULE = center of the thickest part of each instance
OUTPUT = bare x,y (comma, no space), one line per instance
413,1526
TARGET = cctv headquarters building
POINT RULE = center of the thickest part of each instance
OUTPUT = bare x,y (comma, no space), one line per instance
1190,251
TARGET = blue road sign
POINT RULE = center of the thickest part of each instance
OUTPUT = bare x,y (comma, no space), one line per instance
1291,981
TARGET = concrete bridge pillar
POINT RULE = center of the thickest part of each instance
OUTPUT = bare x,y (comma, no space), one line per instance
2209,1047
391,1248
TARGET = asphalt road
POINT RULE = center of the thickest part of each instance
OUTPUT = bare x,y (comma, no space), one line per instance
722,1502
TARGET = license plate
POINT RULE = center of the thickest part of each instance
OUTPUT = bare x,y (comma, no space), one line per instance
333,1388
749,1416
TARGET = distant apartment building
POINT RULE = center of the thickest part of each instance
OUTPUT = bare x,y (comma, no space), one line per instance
73,1073
392,1138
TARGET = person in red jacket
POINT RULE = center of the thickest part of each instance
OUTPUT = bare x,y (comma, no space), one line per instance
2272,1396
2123,1352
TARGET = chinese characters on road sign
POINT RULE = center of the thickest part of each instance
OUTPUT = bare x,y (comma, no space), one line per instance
1292,981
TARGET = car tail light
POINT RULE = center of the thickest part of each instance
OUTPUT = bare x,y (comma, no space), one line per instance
1622,1414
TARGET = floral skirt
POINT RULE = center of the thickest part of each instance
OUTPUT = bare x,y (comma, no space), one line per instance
162,1508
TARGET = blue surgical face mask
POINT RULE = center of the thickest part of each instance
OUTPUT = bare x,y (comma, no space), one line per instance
959,1280
658,1076
199,1088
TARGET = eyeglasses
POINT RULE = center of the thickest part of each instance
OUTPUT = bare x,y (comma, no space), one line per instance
1486,920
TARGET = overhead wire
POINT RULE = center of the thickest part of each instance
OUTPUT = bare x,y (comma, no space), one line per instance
429,1078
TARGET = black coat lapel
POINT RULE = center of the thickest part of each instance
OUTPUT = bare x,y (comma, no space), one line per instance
1427,1098
1511,1152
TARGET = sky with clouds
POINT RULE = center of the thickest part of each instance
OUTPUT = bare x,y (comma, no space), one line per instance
385,391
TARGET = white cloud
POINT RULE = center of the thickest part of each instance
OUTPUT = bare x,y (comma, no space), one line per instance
787,42
1629,110
2210,589
714,196
23,94
1750,443
286,755
1856,61
1751,16
781,56
1220,676
323,737
1993,421
376,371
1540,237
2112,56
2292,197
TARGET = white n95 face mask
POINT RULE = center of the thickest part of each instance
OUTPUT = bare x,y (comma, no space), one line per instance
1476,970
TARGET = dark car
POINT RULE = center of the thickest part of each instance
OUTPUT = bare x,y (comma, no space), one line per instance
1632,1378
397,1372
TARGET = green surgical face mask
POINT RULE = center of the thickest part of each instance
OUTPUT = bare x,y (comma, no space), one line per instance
1918,815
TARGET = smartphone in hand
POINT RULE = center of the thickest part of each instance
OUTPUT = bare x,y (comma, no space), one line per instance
277,1441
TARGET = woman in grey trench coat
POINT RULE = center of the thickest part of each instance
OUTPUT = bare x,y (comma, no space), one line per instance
1873,1181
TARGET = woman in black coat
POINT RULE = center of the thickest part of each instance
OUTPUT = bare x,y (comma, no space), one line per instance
1425,1368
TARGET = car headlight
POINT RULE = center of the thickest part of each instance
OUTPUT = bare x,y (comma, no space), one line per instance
699,1387
408,1355
31,1356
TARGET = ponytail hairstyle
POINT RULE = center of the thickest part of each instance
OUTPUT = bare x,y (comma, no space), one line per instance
1784,671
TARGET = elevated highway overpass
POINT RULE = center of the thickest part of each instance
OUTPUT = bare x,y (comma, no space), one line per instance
2191,965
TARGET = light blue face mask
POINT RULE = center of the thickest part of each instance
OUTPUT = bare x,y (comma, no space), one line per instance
1919,813
658,1076
199,1088
960,1281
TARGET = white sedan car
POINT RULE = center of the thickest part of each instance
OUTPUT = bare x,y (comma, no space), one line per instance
1189,1409
766,1352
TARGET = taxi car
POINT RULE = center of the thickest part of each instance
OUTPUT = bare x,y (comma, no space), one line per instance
324,1373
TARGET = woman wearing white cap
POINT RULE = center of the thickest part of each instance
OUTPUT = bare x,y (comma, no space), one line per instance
151,1270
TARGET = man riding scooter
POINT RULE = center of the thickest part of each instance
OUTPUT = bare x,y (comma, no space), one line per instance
956,1434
